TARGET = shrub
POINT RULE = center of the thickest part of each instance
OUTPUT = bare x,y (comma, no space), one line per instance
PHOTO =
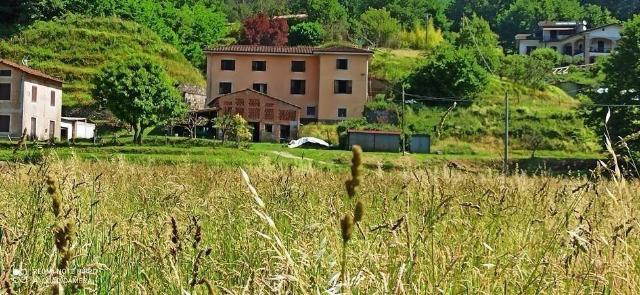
307,33
448,73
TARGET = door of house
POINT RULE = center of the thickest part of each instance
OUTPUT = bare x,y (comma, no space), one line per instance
255,132
600,46
285,132
52,129
34,129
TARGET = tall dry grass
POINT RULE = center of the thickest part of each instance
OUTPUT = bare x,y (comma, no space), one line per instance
146,229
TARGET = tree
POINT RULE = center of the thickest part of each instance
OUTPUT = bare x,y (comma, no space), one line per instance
139,92
240,130
223,124
476,36
261,30
622,70
597,16
331,15
448,73
533,71
198,27
306,33
377,27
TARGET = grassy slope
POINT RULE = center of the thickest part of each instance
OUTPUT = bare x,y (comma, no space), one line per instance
550,114
75,48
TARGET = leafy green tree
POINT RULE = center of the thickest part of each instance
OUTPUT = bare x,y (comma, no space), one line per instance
622,70
138,92
331,15
514,68
477,37
408,12
597,16
552,56
448,73
306,33
378,28
240,131
198,27
521,16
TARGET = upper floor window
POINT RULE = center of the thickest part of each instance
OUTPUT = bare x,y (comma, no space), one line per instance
228,65
34,93
259,66
225,87
5,91
53,98
5,73
342,86
260,87
5,121
342,64
298,86
298,66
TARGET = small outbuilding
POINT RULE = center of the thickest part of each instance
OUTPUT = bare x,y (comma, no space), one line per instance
374,141
420,144
271,118
76,128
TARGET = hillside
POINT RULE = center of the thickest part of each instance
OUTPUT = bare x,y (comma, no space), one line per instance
75,48
540,119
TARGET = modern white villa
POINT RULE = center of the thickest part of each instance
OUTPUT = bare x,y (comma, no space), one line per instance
571,38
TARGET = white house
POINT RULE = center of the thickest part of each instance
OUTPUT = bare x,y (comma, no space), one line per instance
571,38
76,128
30,101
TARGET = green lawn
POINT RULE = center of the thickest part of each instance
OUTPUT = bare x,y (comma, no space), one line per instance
209,152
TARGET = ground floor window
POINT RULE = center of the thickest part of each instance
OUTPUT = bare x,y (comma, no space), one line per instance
268,128
342,112
225,87
5,121
311,111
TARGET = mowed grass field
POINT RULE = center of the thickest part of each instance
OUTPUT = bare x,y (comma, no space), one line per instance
129,225
160,150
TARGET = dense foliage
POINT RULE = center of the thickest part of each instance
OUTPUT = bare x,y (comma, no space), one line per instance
139,93
262,30
448,73
306,33
622,70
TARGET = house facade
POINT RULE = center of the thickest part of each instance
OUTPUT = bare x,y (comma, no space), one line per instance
29,100
328,84
571,38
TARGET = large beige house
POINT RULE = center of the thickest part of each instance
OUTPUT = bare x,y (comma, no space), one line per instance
29,100
571,38
328,84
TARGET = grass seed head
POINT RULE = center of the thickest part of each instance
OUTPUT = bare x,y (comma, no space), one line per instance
358,213
52,189
346,224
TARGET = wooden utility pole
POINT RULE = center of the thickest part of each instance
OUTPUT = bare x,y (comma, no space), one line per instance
402,124
505,167
427,31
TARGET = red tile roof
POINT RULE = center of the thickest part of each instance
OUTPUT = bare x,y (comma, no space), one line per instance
29,70
285,49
